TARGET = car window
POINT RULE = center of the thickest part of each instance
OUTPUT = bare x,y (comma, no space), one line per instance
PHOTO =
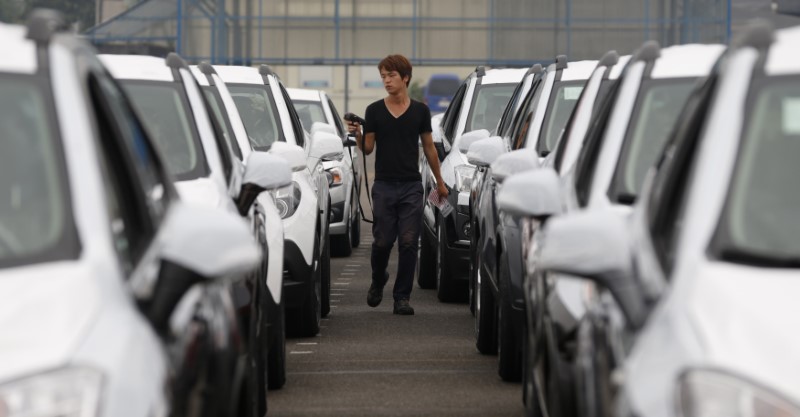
337,119
657,107
221,139
488,103
299,132
759,224
309,112
562,101
450,118
666,197
259,115
221,116
508,113
135,179
526,111
35,211
168,119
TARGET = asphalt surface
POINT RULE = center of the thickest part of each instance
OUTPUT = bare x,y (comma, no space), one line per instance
368,362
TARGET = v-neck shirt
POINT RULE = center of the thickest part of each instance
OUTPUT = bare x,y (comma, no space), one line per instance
397,139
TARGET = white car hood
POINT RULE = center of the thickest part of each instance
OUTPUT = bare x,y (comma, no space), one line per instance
746,319
45,314
200,191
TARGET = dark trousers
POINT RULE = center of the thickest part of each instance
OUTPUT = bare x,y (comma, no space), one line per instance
398,215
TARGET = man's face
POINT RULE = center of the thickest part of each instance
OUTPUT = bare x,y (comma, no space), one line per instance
392,81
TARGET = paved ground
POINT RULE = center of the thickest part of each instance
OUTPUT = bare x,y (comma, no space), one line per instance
369,362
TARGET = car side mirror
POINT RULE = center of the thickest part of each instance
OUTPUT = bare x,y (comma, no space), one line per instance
264,172
514,162
485,151
295,155
326,146
467,139
596,245
535,194
196,244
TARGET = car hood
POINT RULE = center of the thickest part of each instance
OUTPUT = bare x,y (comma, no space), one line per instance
746,319
46,312
200,191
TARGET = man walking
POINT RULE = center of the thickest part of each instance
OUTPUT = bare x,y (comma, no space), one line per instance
394,125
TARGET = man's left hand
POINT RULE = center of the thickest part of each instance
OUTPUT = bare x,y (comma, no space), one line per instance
443,191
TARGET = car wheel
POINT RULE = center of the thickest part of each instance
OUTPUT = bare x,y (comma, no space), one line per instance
306,322
325,266
530,392
342,245
276,358
256,401
426,264
485,332
445,287
509,354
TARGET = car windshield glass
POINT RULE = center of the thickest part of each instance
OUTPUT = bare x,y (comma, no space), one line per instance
309,112
764,197
166,117
487,106
657,109
259,115
562,102
34,206
215,102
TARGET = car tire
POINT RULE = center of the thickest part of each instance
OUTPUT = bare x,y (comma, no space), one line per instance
485,316
276,358
446,289
325,267
509,354
256,383
426,264
306,321
342,245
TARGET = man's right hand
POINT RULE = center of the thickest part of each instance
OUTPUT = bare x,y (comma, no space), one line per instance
354,128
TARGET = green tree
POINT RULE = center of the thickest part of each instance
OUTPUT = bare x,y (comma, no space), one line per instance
415,91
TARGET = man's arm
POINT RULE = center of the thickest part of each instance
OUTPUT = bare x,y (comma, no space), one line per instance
369,138
433,161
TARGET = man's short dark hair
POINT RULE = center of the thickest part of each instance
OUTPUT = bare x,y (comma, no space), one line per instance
397,63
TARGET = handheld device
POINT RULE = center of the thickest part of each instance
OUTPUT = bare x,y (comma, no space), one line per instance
353,118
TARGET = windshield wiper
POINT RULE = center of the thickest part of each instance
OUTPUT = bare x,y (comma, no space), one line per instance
750,257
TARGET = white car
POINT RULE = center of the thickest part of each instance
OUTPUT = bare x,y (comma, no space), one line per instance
99,261
704,272
267,286
444,240
314,106
272,124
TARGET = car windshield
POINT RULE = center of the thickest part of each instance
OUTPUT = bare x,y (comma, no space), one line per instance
658,107
309,112
35,217
562,101
488,105
259,115
760,218
166,117
217,107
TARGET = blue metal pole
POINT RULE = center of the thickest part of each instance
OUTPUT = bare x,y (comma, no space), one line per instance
728,24
646,19
491,31
179,27
414,22
260,28
568,24
336,22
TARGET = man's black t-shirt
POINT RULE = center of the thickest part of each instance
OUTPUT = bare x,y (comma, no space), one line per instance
397,140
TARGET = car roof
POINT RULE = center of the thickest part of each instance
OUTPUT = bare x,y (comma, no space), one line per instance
304,94
578,70
782,57
690,60
17,46
503,76
137,67
239,75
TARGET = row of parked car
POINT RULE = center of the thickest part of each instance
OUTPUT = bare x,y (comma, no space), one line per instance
177,222
629,227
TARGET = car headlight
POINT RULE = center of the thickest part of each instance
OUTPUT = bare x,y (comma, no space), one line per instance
706,393
464,174
70,392
336,175
287,199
